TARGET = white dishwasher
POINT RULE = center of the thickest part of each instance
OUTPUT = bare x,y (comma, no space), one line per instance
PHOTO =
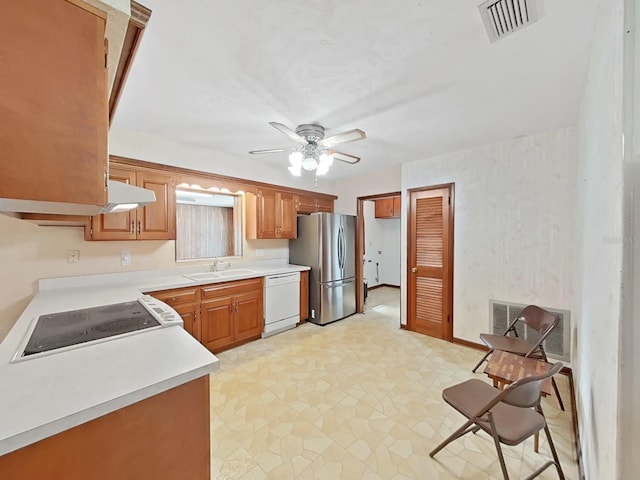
281,302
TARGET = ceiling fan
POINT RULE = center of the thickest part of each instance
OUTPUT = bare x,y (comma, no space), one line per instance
315,151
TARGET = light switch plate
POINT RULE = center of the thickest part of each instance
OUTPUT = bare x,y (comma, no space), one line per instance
125,258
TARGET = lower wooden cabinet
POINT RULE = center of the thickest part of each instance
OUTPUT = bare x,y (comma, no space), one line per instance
304,296
220,315
164,437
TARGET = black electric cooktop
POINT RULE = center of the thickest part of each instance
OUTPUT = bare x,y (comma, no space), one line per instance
57,330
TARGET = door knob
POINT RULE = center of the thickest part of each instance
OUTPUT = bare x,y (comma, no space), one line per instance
414,269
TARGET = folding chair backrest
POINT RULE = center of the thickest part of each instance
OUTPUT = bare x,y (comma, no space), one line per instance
539,319
526,392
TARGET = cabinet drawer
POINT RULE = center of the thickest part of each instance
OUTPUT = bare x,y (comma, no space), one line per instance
178,296
230,288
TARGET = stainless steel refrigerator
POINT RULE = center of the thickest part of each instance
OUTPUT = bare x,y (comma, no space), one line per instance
327,243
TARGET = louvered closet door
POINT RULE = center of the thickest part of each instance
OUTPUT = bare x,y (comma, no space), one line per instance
429,263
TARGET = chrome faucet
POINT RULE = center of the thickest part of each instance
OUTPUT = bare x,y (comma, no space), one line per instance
214,265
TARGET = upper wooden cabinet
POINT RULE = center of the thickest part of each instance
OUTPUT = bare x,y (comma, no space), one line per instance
388,207
271,214
137,23
312,204
53,102
156,221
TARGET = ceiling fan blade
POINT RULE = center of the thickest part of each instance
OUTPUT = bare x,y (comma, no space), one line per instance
271,150
344,157
344,137
289,133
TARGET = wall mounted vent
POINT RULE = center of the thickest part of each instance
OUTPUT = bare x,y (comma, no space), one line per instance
557,343
502,17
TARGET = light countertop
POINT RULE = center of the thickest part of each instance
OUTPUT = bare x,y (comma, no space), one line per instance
43,396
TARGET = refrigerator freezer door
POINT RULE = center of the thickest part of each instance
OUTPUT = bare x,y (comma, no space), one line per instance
348,246
337,300
330,247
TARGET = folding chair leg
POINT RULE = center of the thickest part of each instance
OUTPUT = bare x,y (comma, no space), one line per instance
464,429
496,440
481,360
554,453
555,388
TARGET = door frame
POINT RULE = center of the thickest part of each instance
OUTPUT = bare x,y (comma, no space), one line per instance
448,300
360,245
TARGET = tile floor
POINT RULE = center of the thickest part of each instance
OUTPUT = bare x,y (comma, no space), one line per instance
358,399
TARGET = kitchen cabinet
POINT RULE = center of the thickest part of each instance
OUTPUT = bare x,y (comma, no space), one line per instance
304,296
186,302
53,103
232,313
219,315
271,214
156,221
310,204
117,445
388,207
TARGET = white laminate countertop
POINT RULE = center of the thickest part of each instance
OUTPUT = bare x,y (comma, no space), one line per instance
43,396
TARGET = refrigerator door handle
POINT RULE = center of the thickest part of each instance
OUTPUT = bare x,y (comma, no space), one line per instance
339,284
340,252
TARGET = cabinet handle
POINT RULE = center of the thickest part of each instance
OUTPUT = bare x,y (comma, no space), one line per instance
133,226
139,226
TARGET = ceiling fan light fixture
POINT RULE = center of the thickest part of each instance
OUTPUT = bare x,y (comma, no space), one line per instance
326,159
295,170
315,152
295,159
309,164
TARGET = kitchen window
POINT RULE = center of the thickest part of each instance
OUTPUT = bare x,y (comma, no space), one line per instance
208,225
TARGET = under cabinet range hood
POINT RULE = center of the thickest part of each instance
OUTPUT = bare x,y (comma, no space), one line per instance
121,197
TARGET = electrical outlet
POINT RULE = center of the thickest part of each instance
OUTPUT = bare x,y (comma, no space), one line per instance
73,256
259,252
125,258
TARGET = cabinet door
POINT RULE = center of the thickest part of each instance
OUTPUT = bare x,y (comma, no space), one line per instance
216,324
267,219
189,314
158,220
384,208
116,226
324,205
287,219
248,316
53,102
397,206
304,296
305,204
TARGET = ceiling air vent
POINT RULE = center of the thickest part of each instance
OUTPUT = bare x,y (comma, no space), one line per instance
502,17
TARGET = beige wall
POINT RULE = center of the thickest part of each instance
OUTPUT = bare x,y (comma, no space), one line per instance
513,228
599,247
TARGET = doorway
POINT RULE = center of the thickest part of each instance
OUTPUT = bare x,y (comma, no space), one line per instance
430,261
368,250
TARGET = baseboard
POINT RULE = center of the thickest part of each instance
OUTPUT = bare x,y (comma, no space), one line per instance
574,422
467,343
383,285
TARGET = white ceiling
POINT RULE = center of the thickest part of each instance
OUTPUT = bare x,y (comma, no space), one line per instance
419,76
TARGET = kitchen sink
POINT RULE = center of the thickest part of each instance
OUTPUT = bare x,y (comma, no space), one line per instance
215,275
203,276
237,271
